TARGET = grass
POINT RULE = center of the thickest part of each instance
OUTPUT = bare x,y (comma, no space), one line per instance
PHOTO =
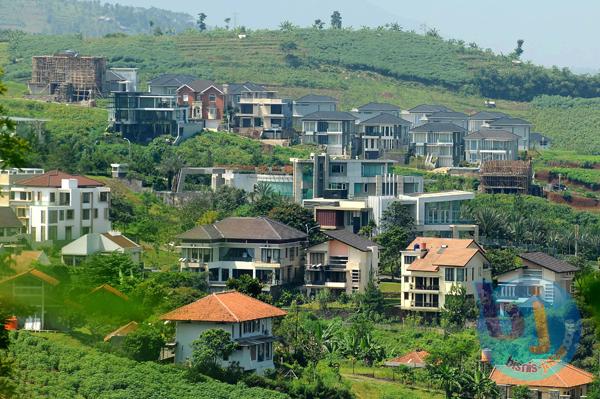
369,388
389,287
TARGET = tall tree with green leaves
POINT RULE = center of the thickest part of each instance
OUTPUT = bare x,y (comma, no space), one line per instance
211,346
13,149
458,307
336,20
318,24
200,22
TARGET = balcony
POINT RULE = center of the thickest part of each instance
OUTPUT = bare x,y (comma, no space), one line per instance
424,287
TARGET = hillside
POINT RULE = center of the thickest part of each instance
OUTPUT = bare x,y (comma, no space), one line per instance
90,18
356,66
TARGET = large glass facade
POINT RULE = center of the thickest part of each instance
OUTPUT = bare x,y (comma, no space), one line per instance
442,212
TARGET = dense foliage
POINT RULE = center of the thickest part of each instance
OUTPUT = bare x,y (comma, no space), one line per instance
48,368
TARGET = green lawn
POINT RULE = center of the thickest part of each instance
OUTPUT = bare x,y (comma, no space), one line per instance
369,388
389,287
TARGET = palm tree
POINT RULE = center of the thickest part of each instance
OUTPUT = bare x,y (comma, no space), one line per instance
448,378
479,386
490,221
261,190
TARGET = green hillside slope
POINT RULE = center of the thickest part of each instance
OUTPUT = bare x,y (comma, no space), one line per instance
308,60
90,18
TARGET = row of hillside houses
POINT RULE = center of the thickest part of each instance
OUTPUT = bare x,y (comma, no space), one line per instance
183,105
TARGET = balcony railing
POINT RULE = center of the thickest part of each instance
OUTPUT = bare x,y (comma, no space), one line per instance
424,287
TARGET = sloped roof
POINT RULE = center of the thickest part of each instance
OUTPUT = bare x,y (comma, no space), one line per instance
538,137
487,115
412,359
92,243
120,240
508,121
549,262
438,127
561,375
8,218
111,290
425,108
122,331
373,106
34,273
385,118
200,85
54,178
224,307
448,114
443,252
330,116
349,238
316,98
244,228
437,242
25,259
492,134
237,88
171,79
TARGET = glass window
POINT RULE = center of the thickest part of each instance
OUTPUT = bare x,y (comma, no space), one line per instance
70,214
104,196
371,170
449,274
64,199
52,216
68,232
95,213
409,259
460,274
224,274
52,198
338,168
43,216
86,198
61,215
317,258
85,214
85,230
270,255
52,232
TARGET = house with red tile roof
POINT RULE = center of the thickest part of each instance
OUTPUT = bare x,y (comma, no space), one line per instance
248,320
260,247
58,206
431,266
561,380
414,359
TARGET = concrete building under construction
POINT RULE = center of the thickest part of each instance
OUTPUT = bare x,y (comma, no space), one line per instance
67,77
506,177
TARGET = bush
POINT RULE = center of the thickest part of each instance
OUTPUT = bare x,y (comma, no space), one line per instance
143,344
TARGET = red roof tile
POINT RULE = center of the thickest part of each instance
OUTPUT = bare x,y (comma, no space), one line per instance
412,359
54,178
35,273
224,307
561,375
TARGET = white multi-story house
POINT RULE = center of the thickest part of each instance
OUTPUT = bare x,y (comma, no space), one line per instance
419,114
491,145
248,321
441,143
432,266
518,126
382,133
372,109
310,103
259,247
334,130
483,118
59,206
343,263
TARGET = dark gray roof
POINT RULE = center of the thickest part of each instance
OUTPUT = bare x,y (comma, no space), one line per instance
429,108
199,85
538,137
316,98
244,228
8,218
349,238
487,115
329,116
237,88
448,114
549,262
172,79
372,106
492,134
438,127
508,121
385,119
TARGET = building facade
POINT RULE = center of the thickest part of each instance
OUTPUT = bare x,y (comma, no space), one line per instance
59,206
418,115
440,143
383,133
310,103
90,244
336,131
491,145
343,263
205,102
259,247
431,267
517,126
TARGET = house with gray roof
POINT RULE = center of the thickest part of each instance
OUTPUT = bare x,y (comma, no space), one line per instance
539,141
418,115
491,145
168,83
11,228
440,143
310,103
371,109
518,126
541,275
383,133
343,264
334,130
458,118
259,247
481,118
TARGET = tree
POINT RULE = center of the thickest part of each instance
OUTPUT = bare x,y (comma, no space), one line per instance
323,298
477,385
200,22
458,308
246,285
520,392
107,269
397,215
519,49
13,149
297,217
227,21
392,242
143,344
211,346
368,230
447,376
318,24
287,26
288,46
503,260
227,199
372,301
336,20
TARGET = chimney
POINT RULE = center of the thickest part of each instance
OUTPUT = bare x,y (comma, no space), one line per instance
423,250
225,88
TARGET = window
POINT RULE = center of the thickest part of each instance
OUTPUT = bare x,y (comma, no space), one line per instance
86,198
106,214
213,274
338,168
52,216
52,198
224,274
372,169
95,213
270,255
246,108
406,279
85,230
276,109
104,196
246,122
85,215
317,258
64,199
406,296
293,253
68,232
449,274
43,217
460,274
21,212
52,232
61,215
70,214
409,259
338,186
212,97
